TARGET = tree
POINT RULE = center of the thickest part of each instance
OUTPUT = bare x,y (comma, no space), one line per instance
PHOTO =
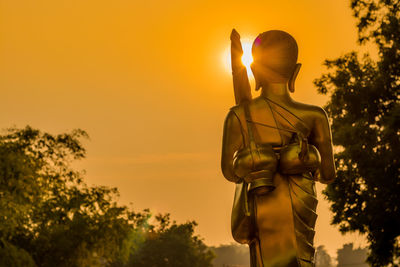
231,255
12,256
50,217
322,258
167,244
46,209
348,256
364,108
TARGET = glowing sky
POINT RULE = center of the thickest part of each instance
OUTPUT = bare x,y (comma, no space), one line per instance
148,81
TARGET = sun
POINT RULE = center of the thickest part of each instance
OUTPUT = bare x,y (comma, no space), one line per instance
247,57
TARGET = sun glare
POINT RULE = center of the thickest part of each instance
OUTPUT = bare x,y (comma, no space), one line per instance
247,57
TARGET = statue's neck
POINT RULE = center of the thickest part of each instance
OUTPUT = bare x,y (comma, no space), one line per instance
276,91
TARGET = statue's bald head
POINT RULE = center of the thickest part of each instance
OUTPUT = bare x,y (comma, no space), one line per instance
275,53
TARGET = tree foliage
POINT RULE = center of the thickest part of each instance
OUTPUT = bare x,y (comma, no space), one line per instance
365,110
231,255
50,217
47,210
322,258
349,256
170,245
12,256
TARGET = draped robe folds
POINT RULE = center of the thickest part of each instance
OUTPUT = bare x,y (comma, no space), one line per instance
284,218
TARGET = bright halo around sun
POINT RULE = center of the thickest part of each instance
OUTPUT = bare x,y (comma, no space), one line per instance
247,57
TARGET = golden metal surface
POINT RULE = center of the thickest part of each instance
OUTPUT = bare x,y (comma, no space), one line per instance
291,144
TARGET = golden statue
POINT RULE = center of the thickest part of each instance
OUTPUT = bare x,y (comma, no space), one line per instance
274,149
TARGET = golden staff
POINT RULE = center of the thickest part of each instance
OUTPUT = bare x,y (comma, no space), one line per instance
241,84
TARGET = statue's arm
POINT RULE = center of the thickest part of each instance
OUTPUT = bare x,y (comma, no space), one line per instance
232,141
321,137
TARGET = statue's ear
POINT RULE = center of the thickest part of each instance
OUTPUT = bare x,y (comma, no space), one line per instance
258,86
294,76
255,74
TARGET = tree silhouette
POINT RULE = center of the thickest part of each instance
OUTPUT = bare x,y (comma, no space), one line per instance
231,255
365,110
50,217
168,244
348,256
322,258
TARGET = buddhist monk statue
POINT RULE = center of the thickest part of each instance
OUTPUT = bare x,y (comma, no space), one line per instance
274,149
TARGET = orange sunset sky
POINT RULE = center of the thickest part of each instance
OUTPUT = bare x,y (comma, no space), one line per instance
150,82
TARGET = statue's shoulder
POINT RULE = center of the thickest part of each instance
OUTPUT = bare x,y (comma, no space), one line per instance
235,115
254,103
312,113
237,110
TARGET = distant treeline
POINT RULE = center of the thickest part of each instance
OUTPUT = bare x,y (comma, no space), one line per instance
346,256
232,255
